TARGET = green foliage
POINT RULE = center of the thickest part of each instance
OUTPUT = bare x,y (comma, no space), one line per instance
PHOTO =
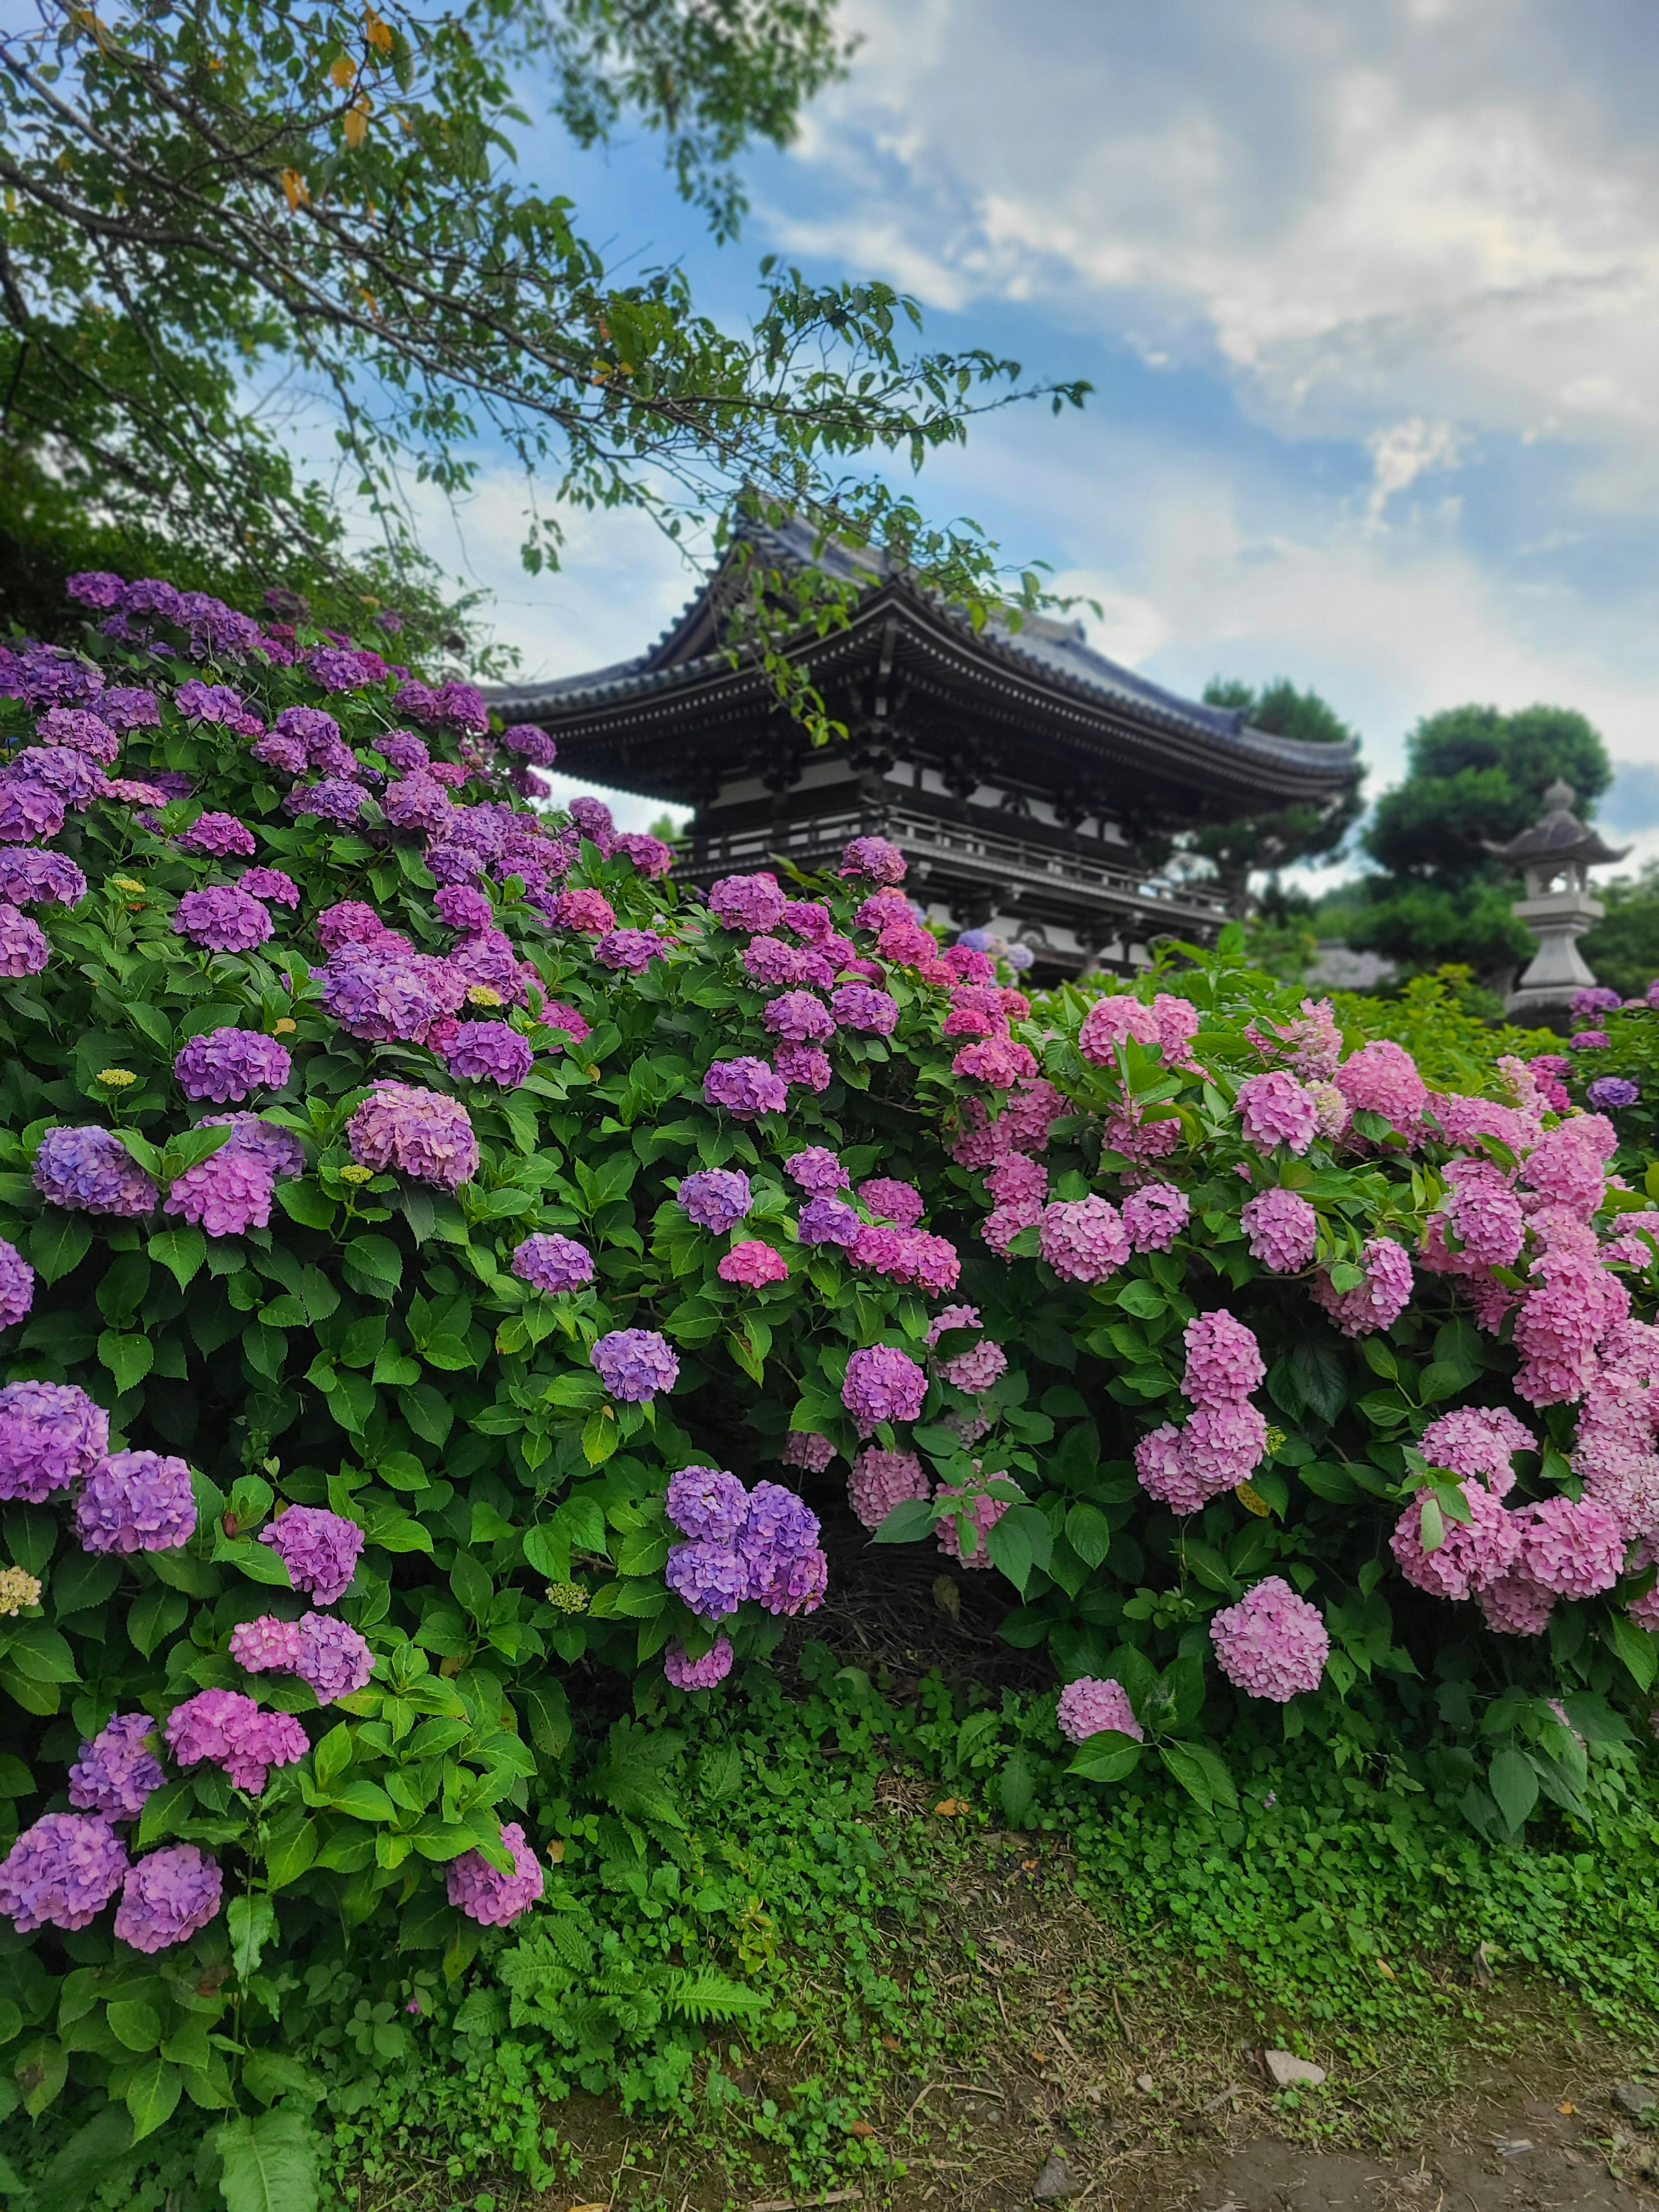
201,196
1475,777
1237,850
1451,1027
1623,949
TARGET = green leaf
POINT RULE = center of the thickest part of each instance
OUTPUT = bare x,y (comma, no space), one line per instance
1108,1757
363,1800
156,1614
1017,1787
1201,1773
1513,1782
153,2095
57,1244
134,2022
907,1523
90,2156
427,1412
164,1808
267,2163
1142,1299
600,1436
1433,1524
190,1147
1088,1534
1318,1369
129,1359
252,1923
332,1755
547,1710
1635,1649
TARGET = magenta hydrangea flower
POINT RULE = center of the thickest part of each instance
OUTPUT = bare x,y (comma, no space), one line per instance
1379,1301
1573,1546
745,1088
581,909
883,1384
221,834
634,1364
711,1578
51,1433
715,1198
228,1064
32,877
61,1873
488,1052
1272,1643
24,950
222,918
688,1674
1154,1215
16,1285
169,1896
278,1149
266,1645
708,1504
1224,1362
873,857
1090,1707
882,1479
226,1195
1283,1230
319,1549
768,960
1382,1078
1274,1109
888,1199
552,1262
90,1170
806,1448
750,902
270,886
979,1367
632,950
117,1770
464,907
228,1730
424,1135
1084,1238
805,1065
871,1013
816,1171
753,1264
332,1657
491,1898
799,1017
135,1501
531,743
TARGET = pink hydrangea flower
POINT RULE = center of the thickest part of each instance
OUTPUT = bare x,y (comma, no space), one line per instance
1004,1223
890,1201
1573,1546
1484,1214
1558,1328
1090,1707
424,1134
882,1479
1084,1239
1154,1215
688,1674
1015,1179
1274,1109
805,1065
754,902
266,1645
1379,1301
1272,1643
1283,1230
1515,1605
807,1450
799,1017
1222,1446
753,1263
491,1898
1224,1361
1478,1442
982,1513
227,1194
1111,1021
580,909
1382,1078
1474,1554
978,1368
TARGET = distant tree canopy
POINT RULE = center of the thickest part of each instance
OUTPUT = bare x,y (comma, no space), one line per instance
1477,777
1267,843
1623,949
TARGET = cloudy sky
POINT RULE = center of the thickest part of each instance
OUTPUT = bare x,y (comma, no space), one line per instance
1369,293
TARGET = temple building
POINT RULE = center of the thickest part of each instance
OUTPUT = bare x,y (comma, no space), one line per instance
1032,784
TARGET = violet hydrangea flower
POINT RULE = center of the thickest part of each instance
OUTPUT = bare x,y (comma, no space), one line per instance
488,1896
28,809
223,918
24,950
270,886
708,1503
332,1657
817,1171
169,1896
1608,1094
16,1285
61,1873
630,948
117,1770
462,907
30,876
228,1064
279,1148
712,1579
531,743
221,834
424,1134
883,1384
857,1006
715,1198
135,1501
745,1087
90,1170
319,1549
634,1364
226,1195
552,1262
51,1433
828,1221
806,1448
488,1052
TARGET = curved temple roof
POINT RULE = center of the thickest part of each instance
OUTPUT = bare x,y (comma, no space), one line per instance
1043,676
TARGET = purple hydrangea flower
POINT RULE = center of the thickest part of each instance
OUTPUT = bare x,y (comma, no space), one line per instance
266,1645
712,1579
828,1221
75,776
345,667
779,1522
464,907
488,1052
223,918
491,1898
745,1087
1608,1093
259,1139
222,835
270,886
208,703
89,1171
331,798
168,1896
28,809
552,1262
23,947
688,1674
632,949
424,1134
131,707
380,992
135,1501
708,1504
856,1006
117,1770
318,1548
61,1873
883,1384
875,858
82,730
50,1434
32,877
333,1658
16,1285
460,707
799,1017
97,588
816,1171
416,802
229,1729
407,753
230,1064
531,743
715,1198
227,1194
753,902
634,1363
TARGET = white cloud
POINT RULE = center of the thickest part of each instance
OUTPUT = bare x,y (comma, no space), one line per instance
1400,455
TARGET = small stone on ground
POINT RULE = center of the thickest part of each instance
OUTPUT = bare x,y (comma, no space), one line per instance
1057,2182
1288,2071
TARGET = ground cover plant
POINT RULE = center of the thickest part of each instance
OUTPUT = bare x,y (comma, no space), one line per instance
448,1265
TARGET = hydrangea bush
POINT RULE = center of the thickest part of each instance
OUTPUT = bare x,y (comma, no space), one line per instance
443,1261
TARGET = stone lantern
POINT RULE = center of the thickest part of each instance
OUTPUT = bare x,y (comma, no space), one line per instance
1554,858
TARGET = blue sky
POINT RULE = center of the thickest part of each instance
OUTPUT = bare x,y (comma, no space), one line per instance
1369,296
